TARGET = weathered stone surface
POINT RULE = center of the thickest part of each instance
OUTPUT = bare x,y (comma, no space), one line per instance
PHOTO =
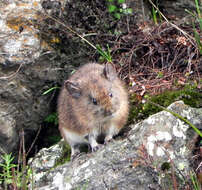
8,134
28,67
47,159
19,47
176,8
131,163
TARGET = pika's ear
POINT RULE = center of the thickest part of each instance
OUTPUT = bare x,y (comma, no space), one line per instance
109,72
73,88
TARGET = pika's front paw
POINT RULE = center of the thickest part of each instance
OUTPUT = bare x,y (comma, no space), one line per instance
108,139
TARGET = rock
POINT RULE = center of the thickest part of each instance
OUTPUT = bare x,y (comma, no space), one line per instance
176,8
50,158
28,67
153,150
22,105
8,134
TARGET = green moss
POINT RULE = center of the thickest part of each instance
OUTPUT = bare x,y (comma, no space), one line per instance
83,186
165,166
66,156
189,95
52,118
49,129
53,139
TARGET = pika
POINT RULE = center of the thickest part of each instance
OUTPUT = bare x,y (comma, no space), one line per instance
92,101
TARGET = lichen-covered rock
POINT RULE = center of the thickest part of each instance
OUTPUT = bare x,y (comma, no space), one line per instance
136,162
47,159
20,46
167,138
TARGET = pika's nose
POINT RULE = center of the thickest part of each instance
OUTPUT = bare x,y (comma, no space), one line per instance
107,112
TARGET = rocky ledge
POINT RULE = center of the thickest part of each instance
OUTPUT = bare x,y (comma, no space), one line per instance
155,155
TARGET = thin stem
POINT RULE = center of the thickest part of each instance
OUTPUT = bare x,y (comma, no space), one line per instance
70,29
175,26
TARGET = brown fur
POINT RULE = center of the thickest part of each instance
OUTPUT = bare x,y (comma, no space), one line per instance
79,117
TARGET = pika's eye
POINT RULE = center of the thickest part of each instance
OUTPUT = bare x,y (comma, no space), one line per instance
111,95
94,101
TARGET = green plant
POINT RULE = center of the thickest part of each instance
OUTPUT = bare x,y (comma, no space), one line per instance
105,54
198,13
118,8
16,176
11,176
51,128
198,18
52,118
154,15
21,179
160,74
6,177
194,181
49,90
66,154
197,38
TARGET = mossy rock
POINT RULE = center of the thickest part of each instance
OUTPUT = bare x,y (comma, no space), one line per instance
190,95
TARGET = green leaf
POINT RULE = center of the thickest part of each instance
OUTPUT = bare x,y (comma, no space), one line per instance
160,74
154,15
112,8
197,8
129,10
49,90
198,39
117,15
105,54
121,1
52,118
